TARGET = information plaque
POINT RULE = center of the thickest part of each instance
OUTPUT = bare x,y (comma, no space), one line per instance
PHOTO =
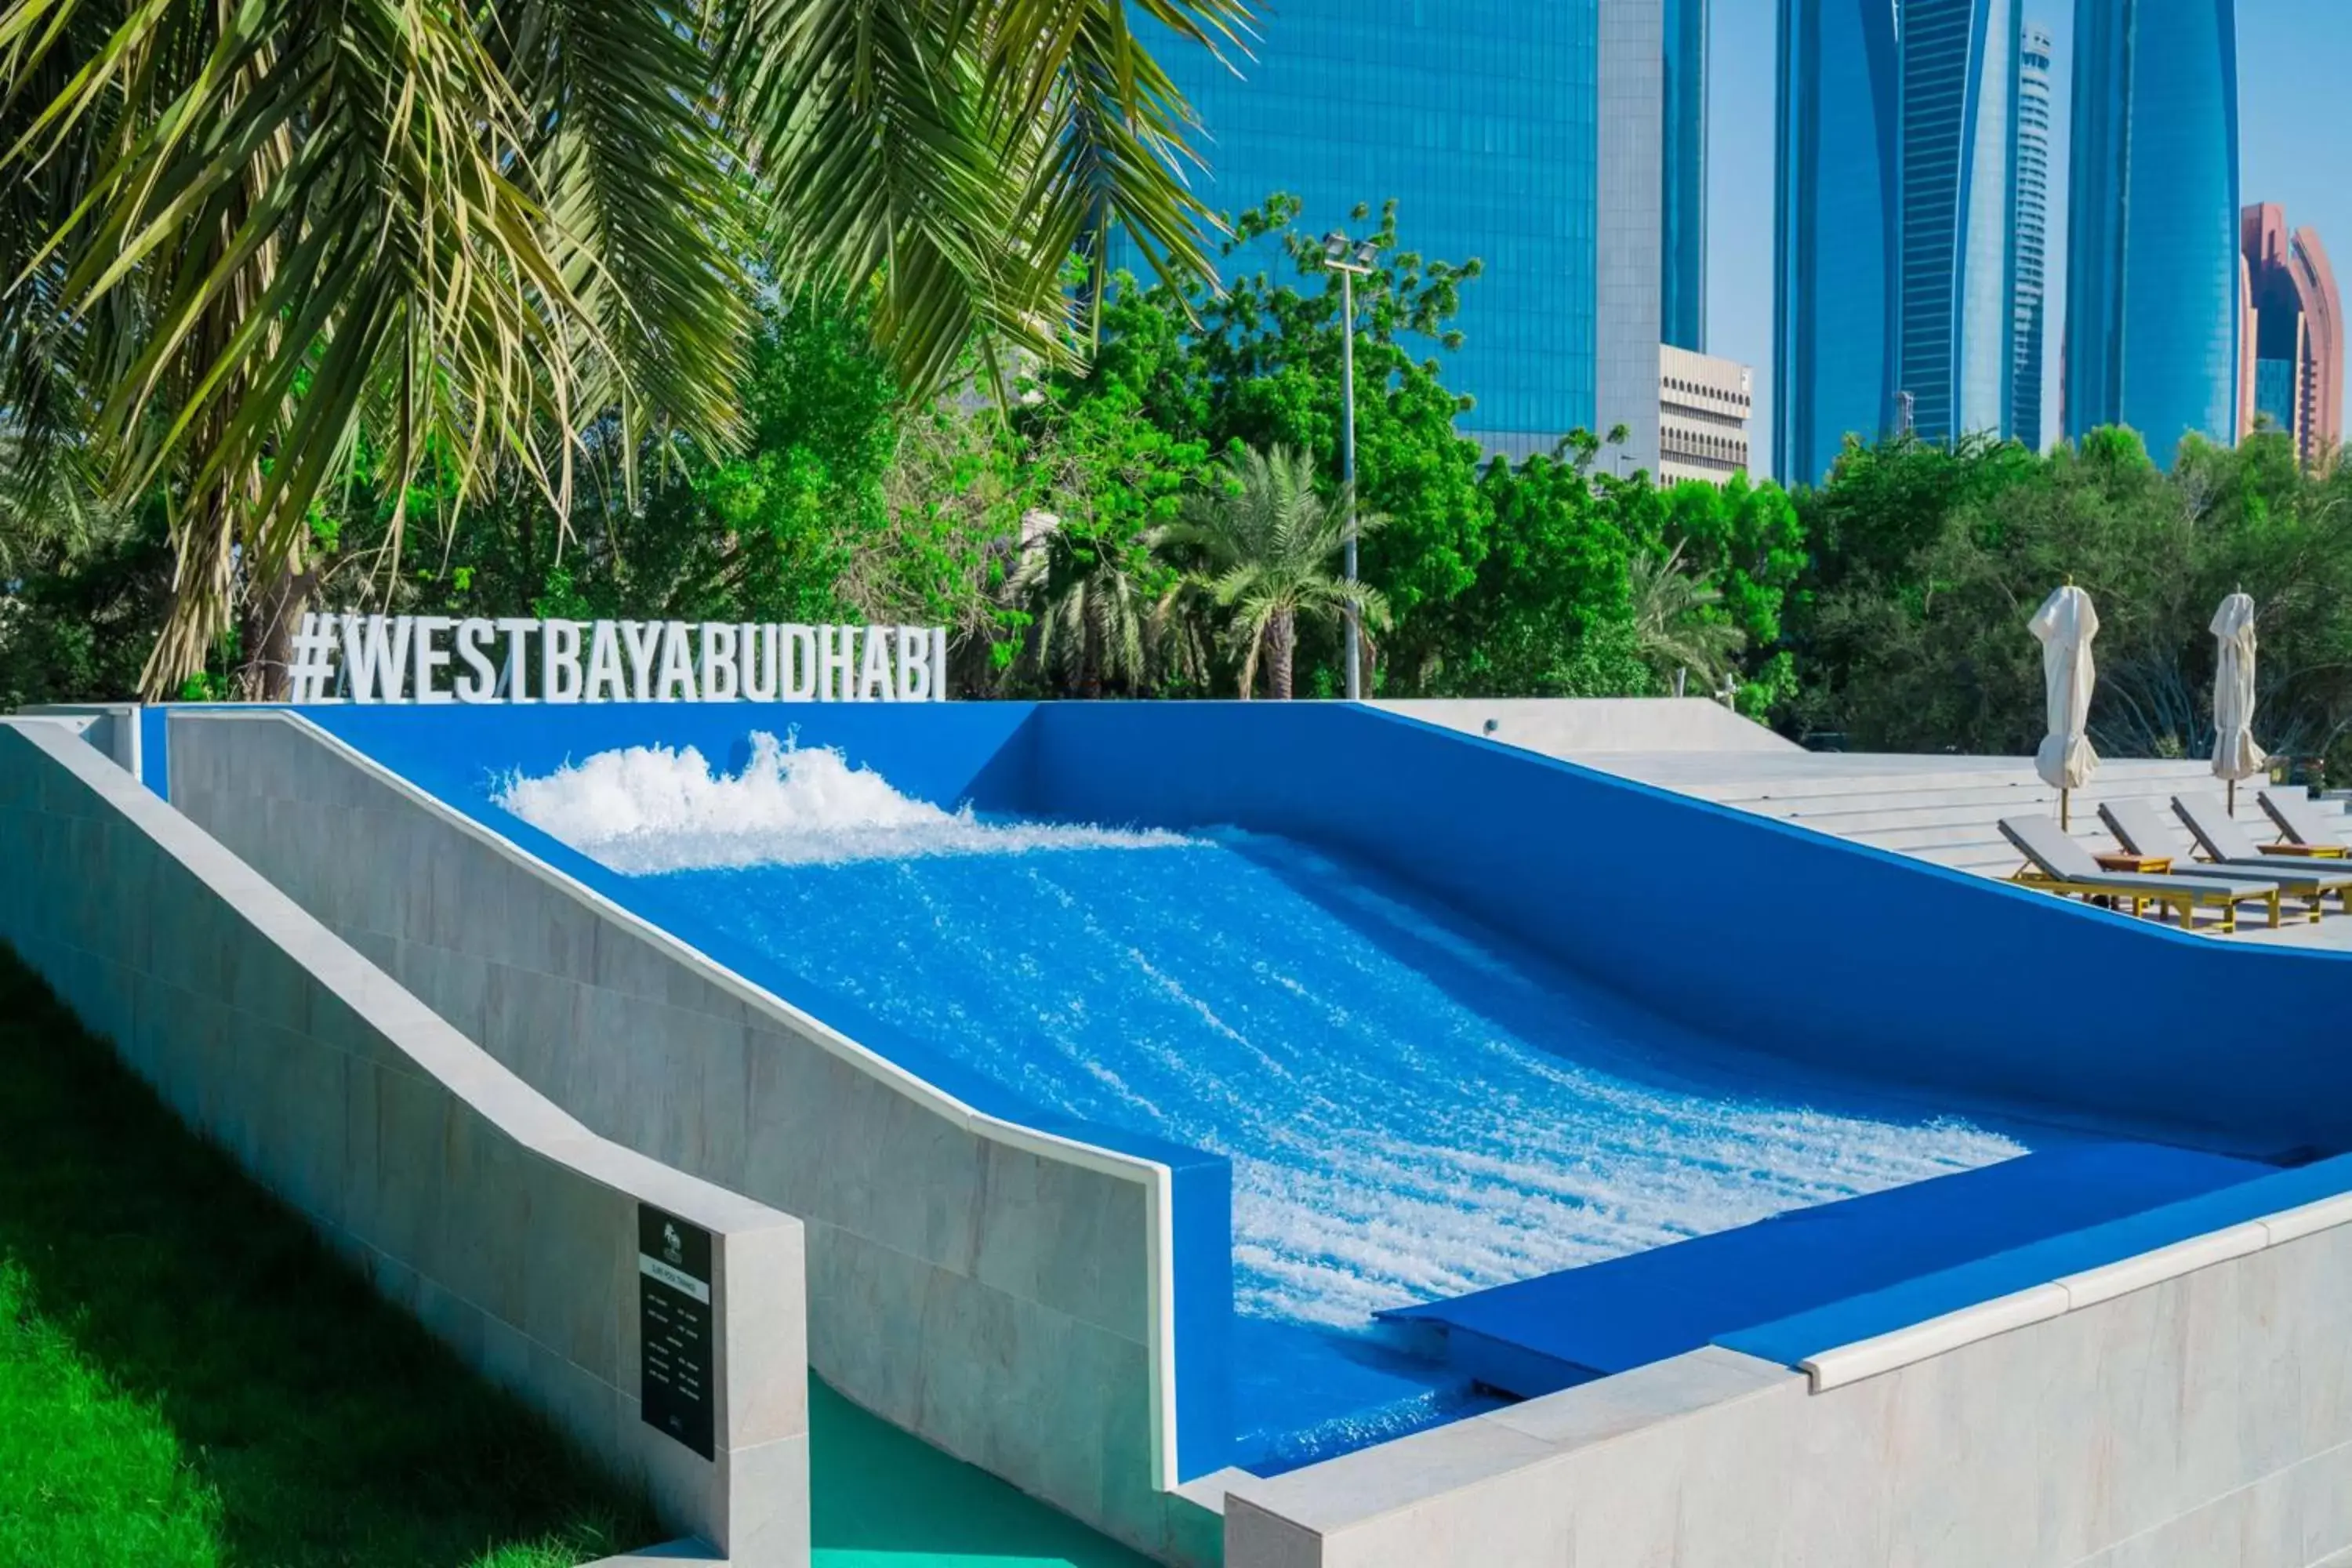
674,1326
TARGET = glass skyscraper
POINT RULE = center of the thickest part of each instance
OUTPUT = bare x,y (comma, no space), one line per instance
2032,224
1682,281
1958,139
2152,268
1525,133
1836,231
1894,233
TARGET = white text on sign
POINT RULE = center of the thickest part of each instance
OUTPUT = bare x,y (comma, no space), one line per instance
443,658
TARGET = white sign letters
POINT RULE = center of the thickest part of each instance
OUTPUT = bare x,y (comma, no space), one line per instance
437,658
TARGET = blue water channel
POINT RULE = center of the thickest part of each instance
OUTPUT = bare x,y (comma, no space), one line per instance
1413,1107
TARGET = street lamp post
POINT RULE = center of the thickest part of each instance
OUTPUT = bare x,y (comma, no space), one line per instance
1337,249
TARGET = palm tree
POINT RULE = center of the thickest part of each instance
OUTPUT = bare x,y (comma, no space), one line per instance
1267,541
242,245
1672,619
1094,620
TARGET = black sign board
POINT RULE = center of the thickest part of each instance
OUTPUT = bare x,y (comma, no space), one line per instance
674,1326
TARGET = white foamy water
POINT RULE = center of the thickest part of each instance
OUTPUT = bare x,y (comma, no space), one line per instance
1413,1109
648,809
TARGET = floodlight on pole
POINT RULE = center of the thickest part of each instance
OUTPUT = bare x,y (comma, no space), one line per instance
1349,258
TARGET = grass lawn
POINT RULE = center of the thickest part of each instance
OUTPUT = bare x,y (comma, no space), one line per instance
189,1378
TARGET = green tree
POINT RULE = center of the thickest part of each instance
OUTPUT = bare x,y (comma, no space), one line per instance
1103,482
843,503
1745,541
1266,544
1549,611
1677,621
1258,365
1914,640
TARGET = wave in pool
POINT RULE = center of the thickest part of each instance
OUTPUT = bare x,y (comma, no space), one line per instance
1414,1107
648,809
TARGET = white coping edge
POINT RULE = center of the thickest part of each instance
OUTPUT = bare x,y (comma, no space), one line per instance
124,714
2070,1293
1156,1178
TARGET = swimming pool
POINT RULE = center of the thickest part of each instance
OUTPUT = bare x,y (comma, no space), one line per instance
1414,1108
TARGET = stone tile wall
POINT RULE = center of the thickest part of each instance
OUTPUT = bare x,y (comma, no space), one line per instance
2205,1420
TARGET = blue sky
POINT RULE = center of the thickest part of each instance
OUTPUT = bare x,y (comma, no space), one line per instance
2295,147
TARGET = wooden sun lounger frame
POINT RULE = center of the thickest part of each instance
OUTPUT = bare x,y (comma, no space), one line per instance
2183,902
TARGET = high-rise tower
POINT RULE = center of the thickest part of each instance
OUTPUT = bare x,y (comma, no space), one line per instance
2152,268
1895,232
1958,130
2032,225
1682,286
1836,229
1525,133
2292,340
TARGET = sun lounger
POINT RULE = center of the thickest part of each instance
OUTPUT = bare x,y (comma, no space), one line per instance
2307,829
2139,827
2059,865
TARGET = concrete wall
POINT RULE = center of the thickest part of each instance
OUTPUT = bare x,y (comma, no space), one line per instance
1002,1293
1573,726
113,727
1629,230
504,1225
2205,1419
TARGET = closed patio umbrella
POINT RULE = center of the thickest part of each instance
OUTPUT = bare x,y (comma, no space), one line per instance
2235,755
2065,624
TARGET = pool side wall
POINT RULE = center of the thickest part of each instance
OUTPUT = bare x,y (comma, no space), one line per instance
2205,1418
1765,936
997,1291
502,1223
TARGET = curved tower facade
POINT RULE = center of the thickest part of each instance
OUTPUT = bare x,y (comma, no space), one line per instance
1959,149
1836,231
2292,340
1897,235
2152,268
2033,197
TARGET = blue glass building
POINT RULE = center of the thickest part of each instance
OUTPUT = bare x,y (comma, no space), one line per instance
1682,203
1525,133
1836,232
1959,151
1896,233
2152,267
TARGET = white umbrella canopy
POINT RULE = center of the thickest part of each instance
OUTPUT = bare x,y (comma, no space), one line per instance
2235,755
2065,624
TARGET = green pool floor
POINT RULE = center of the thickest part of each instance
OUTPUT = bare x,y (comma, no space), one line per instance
884,1499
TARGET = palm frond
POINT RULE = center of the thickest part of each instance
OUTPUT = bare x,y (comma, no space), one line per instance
961,150
471,229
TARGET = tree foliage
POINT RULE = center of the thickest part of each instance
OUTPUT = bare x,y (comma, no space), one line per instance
485,247
1264,540
1911,635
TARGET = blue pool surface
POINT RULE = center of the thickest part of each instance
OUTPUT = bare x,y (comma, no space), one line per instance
1412,1111
1415,1108
1366,1098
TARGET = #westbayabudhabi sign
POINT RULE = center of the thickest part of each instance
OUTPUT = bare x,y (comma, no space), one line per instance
443,658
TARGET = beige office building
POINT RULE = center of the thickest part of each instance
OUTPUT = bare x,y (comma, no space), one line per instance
1704,403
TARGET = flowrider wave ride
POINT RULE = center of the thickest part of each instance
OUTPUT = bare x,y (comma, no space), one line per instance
1306,1077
